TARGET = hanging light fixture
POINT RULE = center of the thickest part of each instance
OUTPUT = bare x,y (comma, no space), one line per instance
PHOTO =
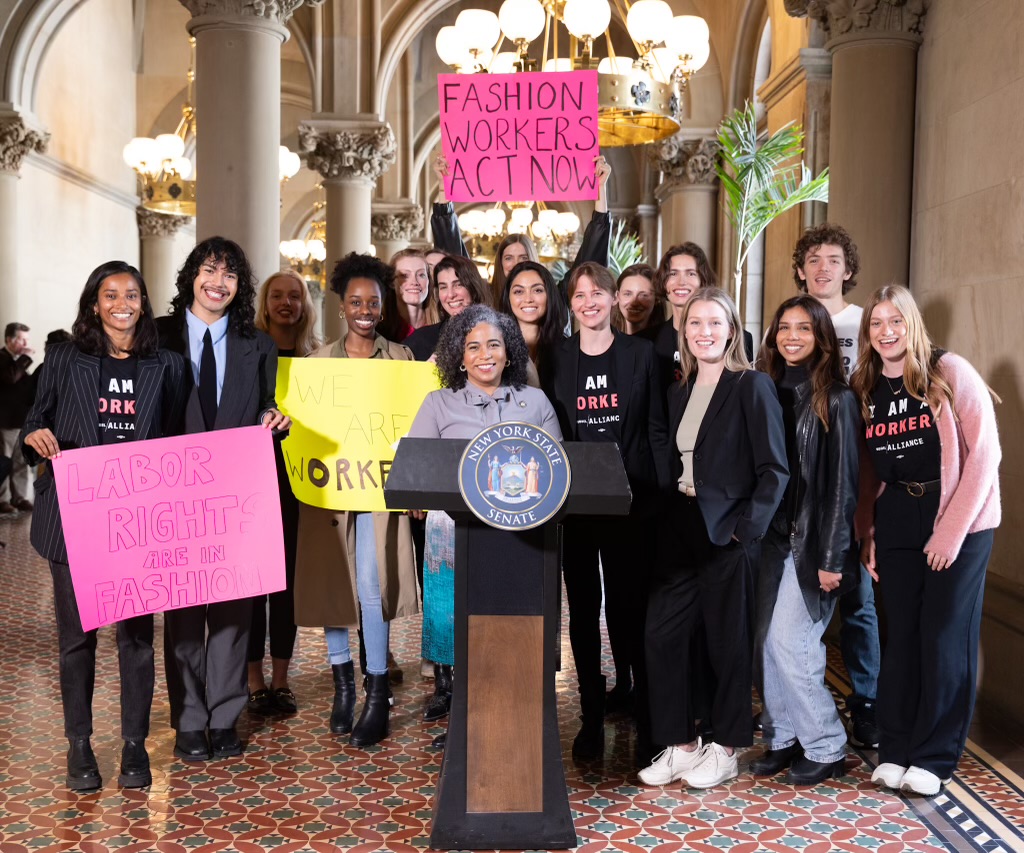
288,164
639,97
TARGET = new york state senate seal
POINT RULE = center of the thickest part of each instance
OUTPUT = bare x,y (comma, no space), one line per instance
514,476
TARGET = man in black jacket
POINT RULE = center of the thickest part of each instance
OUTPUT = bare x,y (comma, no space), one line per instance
16,387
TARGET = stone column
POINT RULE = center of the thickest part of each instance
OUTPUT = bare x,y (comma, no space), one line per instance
158,264
16,140
238,110
349,155
871,148
688,194
393,225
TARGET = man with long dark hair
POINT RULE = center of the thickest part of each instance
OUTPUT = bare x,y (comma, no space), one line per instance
233,372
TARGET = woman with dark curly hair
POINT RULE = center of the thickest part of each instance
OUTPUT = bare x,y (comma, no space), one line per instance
457,285
532,297
482,359
114,363
357,568
233,376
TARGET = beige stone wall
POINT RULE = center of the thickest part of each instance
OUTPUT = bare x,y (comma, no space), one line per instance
968,255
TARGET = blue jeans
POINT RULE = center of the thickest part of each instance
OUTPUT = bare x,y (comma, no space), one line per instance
375,629
798,706
858,641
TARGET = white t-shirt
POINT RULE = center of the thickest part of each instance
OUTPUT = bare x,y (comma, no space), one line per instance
847,323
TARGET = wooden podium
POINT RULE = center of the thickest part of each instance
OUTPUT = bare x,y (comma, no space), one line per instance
502,785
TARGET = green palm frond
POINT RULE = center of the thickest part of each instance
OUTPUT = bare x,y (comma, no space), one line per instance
757,186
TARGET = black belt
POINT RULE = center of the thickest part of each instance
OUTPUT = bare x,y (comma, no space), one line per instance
917,490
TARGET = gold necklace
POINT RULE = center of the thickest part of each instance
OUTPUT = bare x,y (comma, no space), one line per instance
895,391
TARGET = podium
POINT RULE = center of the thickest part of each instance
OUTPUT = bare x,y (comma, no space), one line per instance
502,784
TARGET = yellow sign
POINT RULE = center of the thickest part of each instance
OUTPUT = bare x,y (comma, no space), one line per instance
347,414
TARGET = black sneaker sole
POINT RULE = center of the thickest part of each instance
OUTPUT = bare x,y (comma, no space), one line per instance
135,780
84,783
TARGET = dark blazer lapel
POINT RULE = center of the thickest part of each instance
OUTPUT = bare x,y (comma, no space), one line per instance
85,388
148,394
677,405
625,369
571,355
723,390
236,381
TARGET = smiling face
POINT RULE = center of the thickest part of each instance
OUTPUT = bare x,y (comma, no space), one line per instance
361,306
453,295
514,253
119,304
682,279
636,299
528,298
284,302
707,331
824,271
887,331
213,290
592,304
484,356
795,338
412,280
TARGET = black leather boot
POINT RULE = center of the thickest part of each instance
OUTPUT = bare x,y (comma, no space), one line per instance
440,703
83,771
344,709
773,761
135,772
373,726
589,742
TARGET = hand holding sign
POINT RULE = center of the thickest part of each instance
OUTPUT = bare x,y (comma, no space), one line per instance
511,137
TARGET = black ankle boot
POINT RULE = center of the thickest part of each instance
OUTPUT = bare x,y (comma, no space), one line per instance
773,761
83,771
589,742
372,726
135,772
440,703
344,709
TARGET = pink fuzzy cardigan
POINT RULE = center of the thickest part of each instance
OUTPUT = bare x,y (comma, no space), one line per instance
969,496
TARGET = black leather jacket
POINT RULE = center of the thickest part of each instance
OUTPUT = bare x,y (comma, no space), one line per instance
823,499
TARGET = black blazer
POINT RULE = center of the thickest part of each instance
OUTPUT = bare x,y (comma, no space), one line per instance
250,377
740,469
66,404
642,428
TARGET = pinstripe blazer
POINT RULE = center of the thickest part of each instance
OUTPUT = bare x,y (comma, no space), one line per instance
250,377
66,404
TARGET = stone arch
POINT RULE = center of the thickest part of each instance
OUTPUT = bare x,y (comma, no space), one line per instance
753,19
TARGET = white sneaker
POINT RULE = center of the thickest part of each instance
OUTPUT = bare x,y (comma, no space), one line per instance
888,776
670,765
919,781
715,767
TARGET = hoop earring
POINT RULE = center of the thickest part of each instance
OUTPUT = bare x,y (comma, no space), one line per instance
462,367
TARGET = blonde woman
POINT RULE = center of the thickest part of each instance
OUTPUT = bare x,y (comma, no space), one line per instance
928,528
410,304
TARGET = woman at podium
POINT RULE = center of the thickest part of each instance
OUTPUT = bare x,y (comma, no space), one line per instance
482,360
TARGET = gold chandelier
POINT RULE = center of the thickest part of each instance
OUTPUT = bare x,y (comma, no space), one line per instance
640,98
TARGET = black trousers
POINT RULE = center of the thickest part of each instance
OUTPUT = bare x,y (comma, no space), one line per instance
625,549
697,581
281,604
927,685
78,664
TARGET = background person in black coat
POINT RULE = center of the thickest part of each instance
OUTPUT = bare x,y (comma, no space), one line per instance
16,389
729,463
112,366
605,388
232,376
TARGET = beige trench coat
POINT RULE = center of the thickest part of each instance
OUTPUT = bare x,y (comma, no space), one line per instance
325,567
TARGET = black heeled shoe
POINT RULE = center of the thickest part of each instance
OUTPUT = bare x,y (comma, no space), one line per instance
773,761
440,703
344,710
374,723
805,771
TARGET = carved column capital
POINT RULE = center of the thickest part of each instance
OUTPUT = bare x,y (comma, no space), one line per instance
863,17
393,221
152,224
346,150
16,140
276,11
685,161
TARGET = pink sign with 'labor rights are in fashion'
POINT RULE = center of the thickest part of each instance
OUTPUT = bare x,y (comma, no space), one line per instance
517,137
171,522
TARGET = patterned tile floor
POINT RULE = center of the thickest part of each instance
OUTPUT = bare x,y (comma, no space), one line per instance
297,788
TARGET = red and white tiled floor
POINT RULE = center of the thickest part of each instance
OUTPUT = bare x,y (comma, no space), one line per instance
298,788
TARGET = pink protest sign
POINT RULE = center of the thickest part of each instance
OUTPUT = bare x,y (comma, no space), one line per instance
517,137
171,522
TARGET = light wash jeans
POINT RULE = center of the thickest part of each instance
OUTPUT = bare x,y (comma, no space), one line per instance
798,706
858,640
375,629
